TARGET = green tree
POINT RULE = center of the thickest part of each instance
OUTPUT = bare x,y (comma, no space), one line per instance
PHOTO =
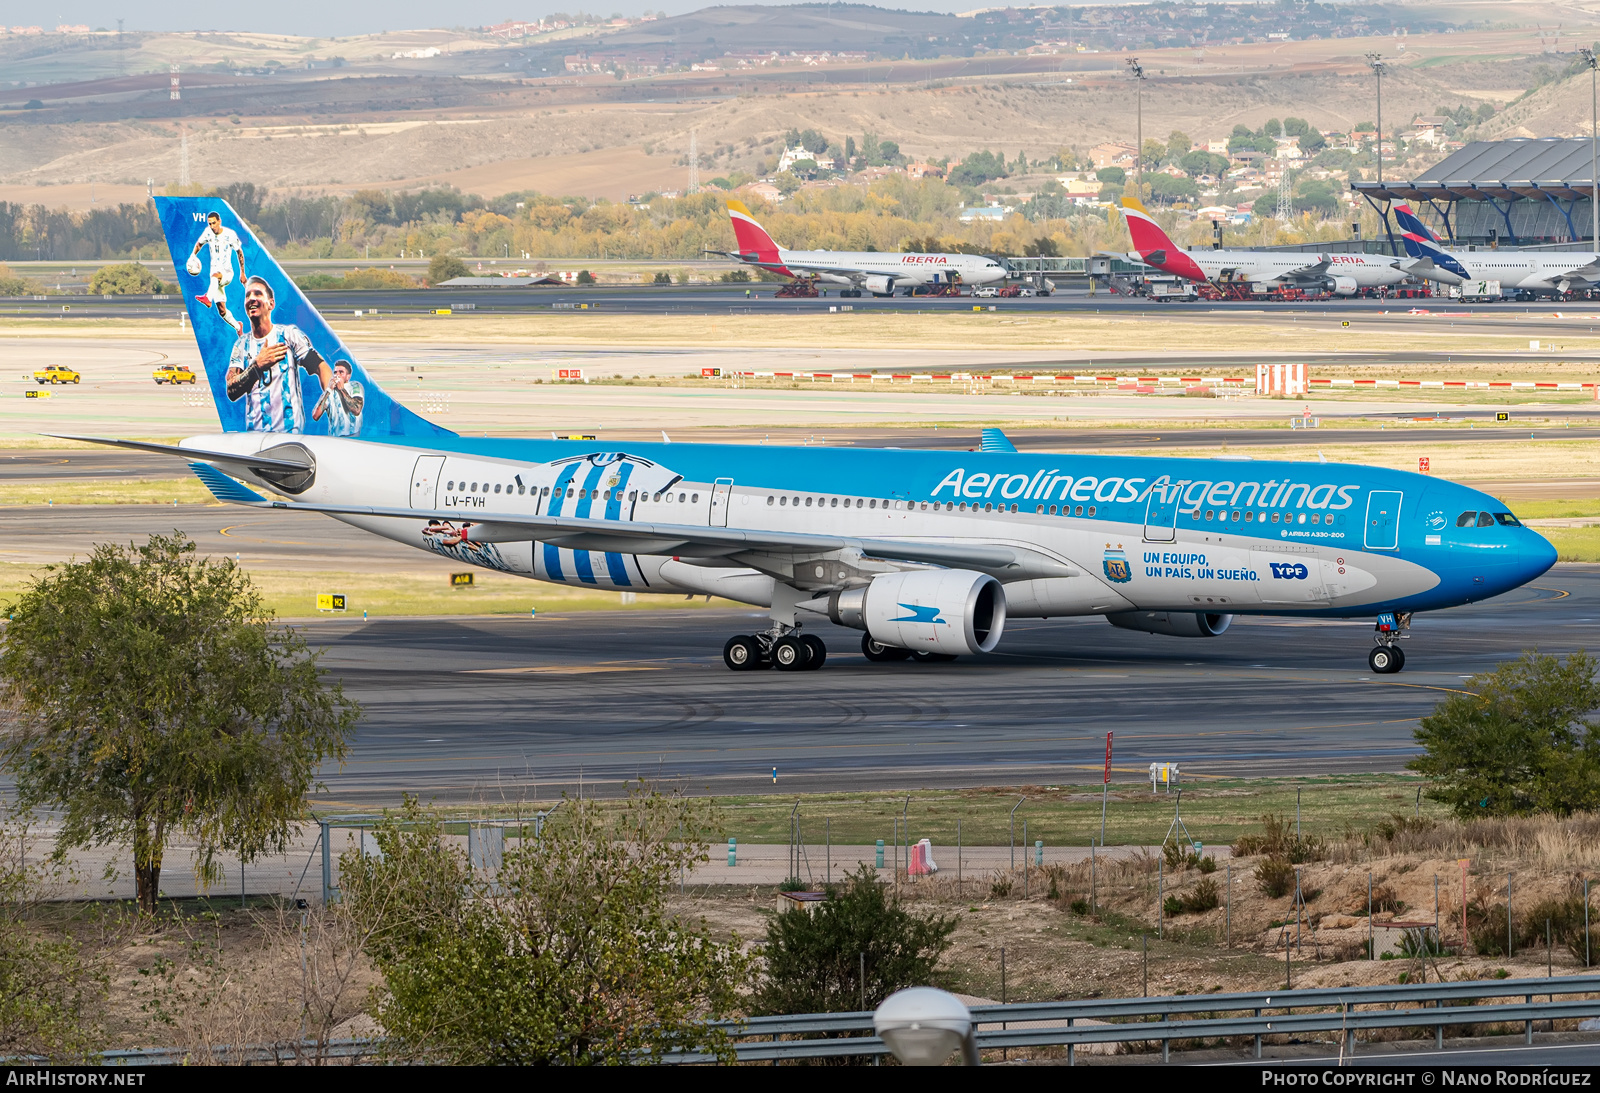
124,279
815,961
567,954
1178,145
1516,740
154,695
662,278
443,267
47,988
978,168
585,277
1114,175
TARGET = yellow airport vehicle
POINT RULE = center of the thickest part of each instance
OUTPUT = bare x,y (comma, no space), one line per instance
173,373
56,373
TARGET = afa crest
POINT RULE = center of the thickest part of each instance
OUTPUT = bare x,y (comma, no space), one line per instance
1116,567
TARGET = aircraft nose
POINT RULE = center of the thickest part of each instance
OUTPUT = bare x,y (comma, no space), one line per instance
1535,553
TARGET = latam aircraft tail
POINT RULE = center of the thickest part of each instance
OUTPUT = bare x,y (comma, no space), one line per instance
281,370
1411,224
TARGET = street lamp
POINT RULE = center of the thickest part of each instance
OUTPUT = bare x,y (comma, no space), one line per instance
1594,139
1376,63
1136,70
923,1025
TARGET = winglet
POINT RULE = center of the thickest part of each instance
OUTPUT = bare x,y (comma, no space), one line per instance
996,441
665,439
224,488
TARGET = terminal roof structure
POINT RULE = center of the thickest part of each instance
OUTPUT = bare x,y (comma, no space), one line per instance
1501,170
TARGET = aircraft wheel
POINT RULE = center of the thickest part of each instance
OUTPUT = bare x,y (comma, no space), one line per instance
926,657
1386,659
819,651
878,652
742,654
790,654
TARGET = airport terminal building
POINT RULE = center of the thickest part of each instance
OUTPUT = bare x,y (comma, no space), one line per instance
1517,193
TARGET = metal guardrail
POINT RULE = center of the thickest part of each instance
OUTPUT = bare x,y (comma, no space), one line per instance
252,1053
1434,1005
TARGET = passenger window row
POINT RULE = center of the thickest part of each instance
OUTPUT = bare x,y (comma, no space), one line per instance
571,492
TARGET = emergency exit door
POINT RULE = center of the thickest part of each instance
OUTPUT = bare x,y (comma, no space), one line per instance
1161,517
1382,531
721,491
425,482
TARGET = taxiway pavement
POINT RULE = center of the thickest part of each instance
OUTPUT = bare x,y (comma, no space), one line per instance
496,708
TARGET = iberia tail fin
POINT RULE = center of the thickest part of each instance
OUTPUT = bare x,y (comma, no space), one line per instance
319,388
1154,245
755,245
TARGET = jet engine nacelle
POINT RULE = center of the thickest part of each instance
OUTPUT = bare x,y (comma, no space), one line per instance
954,611
1343,286
879,284
1178,624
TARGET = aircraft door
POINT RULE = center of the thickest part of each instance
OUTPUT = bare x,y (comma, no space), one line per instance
425,482
1161,517
1382,531
721,491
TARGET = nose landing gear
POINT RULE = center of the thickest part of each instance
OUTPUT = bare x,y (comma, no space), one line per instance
1387,657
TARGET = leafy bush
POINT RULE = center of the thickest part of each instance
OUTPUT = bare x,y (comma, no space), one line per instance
736,276
125,279
1205,896
1275,877
568,954
585,277
815,961
1516,741
1207,864
381,278
1080,906
1000,887
792,884
442,267
12,285
662,278
1398,824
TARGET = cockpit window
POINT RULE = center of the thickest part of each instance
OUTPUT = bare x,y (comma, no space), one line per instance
1466,519
1507,520
1485,520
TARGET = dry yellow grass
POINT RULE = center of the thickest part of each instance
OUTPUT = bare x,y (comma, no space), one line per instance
867,329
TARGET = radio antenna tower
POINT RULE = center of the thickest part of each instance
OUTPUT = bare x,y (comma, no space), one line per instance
183,159
1285,211
177,92
694,161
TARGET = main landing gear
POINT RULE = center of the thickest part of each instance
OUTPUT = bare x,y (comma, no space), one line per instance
1387,657
786,649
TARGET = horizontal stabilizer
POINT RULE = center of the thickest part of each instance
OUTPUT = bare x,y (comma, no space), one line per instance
224,488
252,461
996,441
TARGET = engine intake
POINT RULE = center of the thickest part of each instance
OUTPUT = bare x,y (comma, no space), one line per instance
879,284
1343,286
954,611
1178,624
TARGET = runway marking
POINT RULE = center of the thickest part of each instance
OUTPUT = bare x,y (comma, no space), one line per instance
558,669
231,528
1561,593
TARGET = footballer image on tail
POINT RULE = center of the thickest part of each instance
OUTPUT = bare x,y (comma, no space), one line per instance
224,246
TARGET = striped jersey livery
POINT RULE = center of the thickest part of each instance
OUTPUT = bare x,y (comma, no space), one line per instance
274,404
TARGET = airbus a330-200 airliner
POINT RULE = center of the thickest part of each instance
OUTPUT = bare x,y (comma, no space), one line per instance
928,553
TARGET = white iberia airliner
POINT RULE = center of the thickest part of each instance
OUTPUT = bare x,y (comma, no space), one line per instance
878,272
1341,274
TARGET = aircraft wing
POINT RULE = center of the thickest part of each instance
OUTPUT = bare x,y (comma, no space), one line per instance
698,540
1318,268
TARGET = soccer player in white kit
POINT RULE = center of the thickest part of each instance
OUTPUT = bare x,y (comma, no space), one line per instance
343,402
224,245
265,367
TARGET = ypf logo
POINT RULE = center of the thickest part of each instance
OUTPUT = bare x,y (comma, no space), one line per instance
1289,571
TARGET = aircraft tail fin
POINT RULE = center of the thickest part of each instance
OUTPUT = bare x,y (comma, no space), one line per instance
316,387
1411,224
755,245
1148,238
994,440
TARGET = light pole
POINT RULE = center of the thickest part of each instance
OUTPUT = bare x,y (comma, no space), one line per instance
1136,70
1375,61
1594,139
